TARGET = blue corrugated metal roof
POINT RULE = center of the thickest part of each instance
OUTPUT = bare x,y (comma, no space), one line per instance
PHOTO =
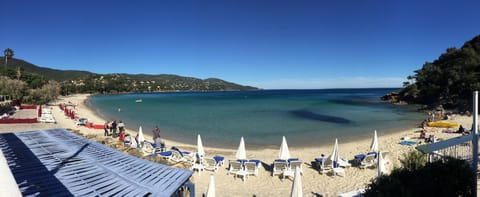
430,148
59,163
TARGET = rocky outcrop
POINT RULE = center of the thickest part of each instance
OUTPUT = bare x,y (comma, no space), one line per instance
393,97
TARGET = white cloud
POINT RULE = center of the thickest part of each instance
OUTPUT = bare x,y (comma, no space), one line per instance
342,82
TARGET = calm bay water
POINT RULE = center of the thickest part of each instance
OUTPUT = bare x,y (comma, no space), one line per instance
305,117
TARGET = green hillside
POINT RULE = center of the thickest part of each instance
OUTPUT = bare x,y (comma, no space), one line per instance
48,73
75,81
448,81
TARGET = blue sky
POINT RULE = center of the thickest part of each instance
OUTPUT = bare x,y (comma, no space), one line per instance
268,44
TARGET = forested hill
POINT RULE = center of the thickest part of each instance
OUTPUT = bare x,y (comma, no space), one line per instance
57,75
448,81
83,81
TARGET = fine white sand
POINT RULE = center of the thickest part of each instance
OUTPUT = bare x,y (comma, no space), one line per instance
264,184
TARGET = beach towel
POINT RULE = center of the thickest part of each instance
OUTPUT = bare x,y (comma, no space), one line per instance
408,143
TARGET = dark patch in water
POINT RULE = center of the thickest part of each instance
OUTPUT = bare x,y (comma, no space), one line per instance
354,102
319,117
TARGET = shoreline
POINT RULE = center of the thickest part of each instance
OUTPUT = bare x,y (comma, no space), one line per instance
189,138
262,185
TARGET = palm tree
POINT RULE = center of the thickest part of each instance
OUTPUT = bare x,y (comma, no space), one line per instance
19,72
8,55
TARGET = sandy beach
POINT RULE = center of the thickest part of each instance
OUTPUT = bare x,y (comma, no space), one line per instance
264,184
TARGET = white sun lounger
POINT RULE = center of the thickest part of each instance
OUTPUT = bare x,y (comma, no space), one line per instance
279,167
325,166
290,171
210,164
344,163
147,147
251,168
368,161
133,142
234,167
46,118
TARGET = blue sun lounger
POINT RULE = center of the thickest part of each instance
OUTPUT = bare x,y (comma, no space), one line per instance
408,143
219,159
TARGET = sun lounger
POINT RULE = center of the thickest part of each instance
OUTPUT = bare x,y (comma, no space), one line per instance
178,156
372,153
133,142
325,165
126,140
294,164
279,166
242,160
234,167
198,165
408,143
182,153
158,148
290,171
318,162
166,155
251,168
210,164
368,161
343,163
219,159
257,162
189,159
358,158
292,159
148,148
174,154
46,118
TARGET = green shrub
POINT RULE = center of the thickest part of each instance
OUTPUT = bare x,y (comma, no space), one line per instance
413,160
447,177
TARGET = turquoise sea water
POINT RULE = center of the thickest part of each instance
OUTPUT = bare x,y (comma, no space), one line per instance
305,117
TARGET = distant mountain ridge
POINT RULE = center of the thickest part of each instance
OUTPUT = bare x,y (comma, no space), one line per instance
166,82
49,73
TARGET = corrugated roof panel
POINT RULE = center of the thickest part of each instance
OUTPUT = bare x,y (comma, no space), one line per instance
57,162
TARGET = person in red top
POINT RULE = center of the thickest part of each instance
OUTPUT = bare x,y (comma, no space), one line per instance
121,135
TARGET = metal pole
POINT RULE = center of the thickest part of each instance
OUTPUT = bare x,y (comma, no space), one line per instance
475,140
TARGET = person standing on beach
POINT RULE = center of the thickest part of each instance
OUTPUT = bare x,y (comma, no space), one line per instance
105,128
121,126
156,135
113,129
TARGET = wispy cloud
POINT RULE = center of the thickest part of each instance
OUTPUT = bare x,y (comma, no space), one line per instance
342,82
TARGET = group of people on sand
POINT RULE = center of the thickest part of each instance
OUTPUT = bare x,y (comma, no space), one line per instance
110,128
433,116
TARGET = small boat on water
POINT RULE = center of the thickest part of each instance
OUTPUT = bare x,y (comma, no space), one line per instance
138,101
